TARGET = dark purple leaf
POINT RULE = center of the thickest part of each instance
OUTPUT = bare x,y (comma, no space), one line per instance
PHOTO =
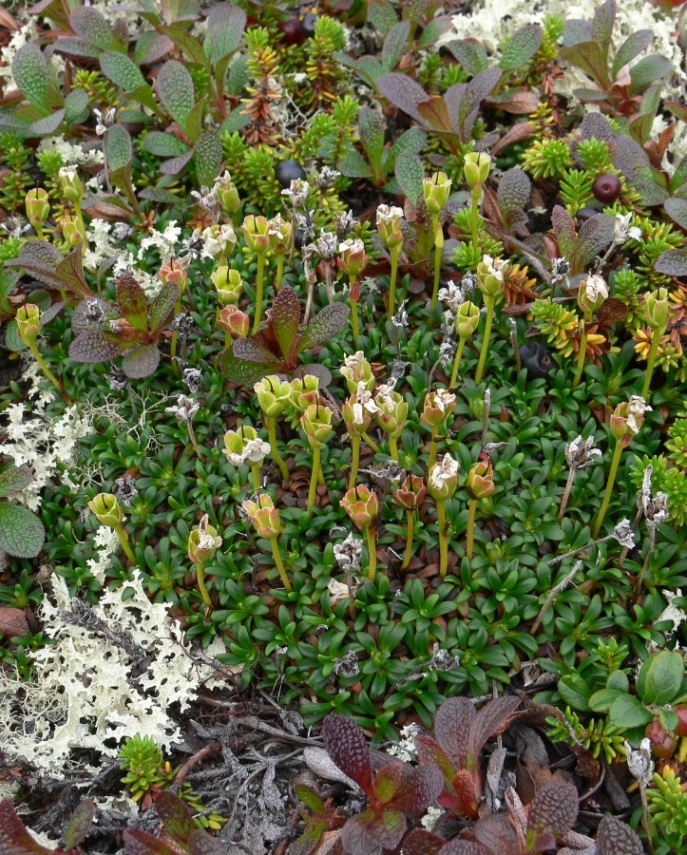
611,311
387,782
554,808
164,306
421,842
320,371
633,162
347,747
79,824
403,92
283,320
614,838
369,832
564,229
595,235
633,45
324,326
497,834
672,262
514,191
175,816
226,23
479,88
70,275
90,314
602,24
435,114
452,725
91,346
138,842
590,57
132,302
14,838
201,843
253,351
596,126
430,753
141,361
419,788
462,847
175,164
493,718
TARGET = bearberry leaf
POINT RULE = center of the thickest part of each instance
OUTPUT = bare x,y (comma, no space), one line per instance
564,229
79,824
421,842
14,837
513,194
371,831
324,326
452,725
633,45
138,842
132,302
430,753
201,843
76,107
479,88
176,92
471,55
122,71
91,346
594,237
521,47
409,173
118,148
15,478
371,130
462,847
207,156
615,837
382,16
164,145
246,372
346,745
163,306
493,718
497,834
175,817
141,361
647,70
176,164
21,532
434,29
395,44
554,808
412,140
226,23
403,92
419,788
91,25
283,319
672,262
436,115
70,275
30,74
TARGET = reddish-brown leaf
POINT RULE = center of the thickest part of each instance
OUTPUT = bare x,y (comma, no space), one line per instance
347,747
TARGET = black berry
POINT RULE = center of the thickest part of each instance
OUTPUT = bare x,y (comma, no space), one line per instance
606,187
536,358
291,30
288,171
308,25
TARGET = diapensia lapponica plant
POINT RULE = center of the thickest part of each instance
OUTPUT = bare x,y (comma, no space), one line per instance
384,429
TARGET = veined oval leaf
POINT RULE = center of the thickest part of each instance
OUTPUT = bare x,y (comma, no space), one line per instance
30,74
122,71
176,92
21,532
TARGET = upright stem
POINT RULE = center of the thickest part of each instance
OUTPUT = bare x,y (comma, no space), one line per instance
438,255
373,445
474,216
314,475
395,253
354,318
280,564
410,526
443,539
433,445
48,373
200,574
271,425
647,559
491,303
124,543
355,460
393,448
175,337
258,292
194,441
255,471
655,341
280,272
582,352
566,492
470,544
456,362
609,489
372,553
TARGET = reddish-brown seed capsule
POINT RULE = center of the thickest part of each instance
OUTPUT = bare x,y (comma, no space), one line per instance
606,187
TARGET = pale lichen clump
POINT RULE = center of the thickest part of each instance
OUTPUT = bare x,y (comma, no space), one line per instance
88,692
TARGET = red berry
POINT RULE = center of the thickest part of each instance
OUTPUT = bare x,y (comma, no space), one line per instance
681,713
606,188
662,743
291,30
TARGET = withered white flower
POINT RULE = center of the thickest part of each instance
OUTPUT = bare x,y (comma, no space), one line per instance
254,452
103,122
639,762
623,230
451,296
595,288
348,553
494,266
384,398
580,453
184,409
443,399
364,403
637,406
386,214
355,365
297,192
216,239
205,539
353,245
624,535
444,470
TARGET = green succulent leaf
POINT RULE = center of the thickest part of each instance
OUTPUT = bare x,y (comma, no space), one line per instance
660,677
21,532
